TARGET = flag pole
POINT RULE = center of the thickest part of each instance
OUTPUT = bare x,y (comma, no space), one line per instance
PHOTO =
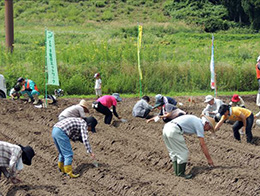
139,41
46,70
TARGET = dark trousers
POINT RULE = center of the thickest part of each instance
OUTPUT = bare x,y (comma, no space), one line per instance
105,110
249,123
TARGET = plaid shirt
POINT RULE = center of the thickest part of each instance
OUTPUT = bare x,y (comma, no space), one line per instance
9,156
75,129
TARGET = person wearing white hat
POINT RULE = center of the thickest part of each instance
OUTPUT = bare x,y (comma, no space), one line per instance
103,105
173,138
13,157
78,110
98,84
257,68
212,107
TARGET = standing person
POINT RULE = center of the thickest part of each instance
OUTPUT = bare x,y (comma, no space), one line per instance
75,129
257,68
104,103
159,99
173,138
244,119
237,101
98,84
78,110
168,112
142,108
13,157
14,92
212,107
29,90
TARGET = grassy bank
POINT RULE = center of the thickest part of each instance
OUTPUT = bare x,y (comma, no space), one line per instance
175,57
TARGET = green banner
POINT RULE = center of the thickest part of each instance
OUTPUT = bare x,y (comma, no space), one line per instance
51,64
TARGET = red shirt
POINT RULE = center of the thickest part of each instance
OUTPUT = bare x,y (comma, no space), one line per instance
107,100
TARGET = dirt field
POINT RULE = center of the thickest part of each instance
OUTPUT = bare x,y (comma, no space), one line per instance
132,157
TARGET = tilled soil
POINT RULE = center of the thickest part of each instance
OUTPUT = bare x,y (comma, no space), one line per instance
132,157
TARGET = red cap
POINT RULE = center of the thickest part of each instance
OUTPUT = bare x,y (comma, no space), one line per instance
235,98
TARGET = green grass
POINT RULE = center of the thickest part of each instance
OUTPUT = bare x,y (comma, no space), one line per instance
175,57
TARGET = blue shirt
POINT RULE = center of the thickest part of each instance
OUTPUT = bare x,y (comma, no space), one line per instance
190,124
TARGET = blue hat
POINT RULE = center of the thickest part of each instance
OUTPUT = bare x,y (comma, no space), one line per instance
117,96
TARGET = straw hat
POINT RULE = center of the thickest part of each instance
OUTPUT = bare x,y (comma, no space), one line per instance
210,120
83,103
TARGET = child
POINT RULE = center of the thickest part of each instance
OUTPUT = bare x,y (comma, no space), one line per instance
98,85
14,92
237,101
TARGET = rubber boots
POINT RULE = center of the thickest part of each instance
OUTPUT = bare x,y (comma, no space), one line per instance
174,164
181,171
36,99
68,171
61,167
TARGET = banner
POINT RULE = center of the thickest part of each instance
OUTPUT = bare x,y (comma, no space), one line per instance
212,66
51,64
139,42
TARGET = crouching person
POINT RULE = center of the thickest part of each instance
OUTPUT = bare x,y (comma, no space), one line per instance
173,138
29,90
142,108
12,158
75,129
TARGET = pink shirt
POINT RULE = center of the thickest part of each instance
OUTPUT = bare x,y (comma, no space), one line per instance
107,100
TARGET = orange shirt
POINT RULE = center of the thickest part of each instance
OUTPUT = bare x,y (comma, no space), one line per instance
257,71
235,114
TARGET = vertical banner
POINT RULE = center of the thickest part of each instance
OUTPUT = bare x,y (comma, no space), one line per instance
51,64
139,42
212,68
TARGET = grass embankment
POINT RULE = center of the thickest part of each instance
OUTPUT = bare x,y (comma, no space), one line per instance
175,57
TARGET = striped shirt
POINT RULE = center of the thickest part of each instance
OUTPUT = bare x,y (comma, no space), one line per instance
76,129
9,156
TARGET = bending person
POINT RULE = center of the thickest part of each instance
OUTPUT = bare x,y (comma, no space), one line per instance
244,119
13,157
78,110
103,105
173,138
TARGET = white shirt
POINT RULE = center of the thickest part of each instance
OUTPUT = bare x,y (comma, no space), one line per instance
98,84
212,108
73,111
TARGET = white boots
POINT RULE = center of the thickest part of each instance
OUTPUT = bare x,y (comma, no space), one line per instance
258,100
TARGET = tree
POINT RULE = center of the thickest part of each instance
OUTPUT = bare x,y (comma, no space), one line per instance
252,9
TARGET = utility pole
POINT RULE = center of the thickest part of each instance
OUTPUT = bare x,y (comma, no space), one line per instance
9,25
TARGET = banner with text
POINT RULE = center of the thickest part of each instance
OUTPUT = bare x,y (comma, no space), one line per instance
51,63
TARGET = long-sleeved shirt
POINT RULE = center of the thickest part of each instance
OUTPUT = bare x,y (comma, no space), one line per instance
9,156
76,129
140,108
212,108
72,111
240,103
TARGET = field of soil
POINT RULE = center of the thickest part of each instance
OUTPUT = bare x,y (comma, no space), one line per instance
132,157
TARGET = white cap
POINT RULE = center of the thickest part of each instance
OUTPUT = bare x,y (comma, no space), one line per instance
208,98
158,97
258,59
